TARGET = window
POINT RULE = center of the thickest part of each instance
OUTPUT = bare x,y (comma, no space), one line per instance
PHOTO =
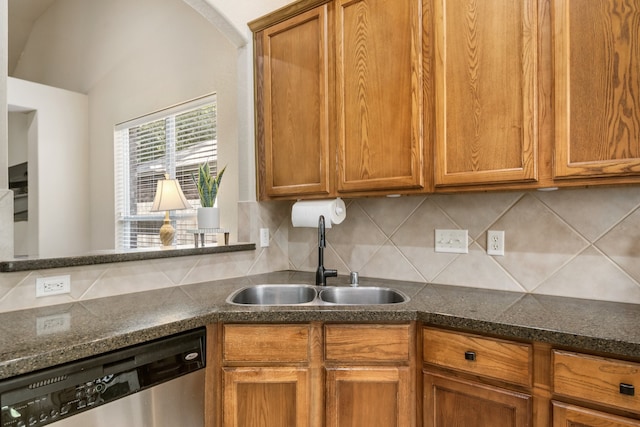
174,141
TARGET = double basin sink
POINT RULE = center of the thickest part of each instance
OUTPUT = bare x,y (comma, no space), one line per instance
302,294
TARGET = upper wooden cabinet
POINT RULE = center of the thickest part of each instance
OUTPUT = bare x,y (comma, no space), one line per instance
379,94
597,88
293,101
371,97
486,91
339,99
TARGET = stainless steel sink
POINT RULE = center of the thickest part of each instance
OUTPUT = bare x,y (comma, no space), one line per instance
273,295
362,296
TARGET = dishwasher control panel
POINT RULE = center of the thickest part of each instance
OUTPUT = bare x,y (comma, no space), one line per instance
49,407
56,393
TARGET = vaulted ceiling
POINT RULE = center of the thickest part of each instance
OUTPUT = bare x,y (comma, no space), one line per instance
22,15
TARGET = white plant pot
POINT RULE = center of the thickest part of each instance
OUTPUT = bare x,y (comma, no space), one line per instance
208,218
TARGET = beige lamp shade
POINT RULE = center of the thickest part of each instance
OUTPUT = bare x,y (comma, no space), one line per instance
169,196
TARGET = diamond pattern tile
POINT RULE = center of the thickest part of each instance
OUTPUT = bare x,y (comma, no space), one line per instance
390,212
475,212
592,211
582,243
356,239
390,263
622,244
415,239
537,242
477,270
591,274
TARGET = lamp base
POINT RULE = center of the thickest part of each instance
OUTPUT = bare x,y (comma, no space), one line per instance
167,232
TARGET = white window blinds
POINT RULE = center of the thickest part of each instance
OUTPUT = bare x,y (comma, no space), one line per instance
174,141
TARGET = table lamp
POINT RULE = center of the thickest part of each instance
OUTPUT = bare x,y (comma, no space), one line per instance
169,196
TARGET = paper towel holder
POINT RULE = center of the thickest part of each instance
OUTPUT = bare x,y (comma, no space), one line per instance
305,213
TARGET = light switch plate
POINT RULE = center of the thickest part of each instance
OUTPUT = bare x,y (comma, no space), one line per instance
452,241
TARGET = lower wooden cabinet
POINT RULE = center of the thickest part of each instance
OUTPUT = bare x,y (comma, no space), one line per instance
450,402
389,375
266,397
369,396
314,375
574,416
460,371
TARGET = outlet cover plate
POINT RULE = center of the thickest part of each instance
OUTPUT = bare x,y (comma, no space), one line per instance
53,285
495,242
452,241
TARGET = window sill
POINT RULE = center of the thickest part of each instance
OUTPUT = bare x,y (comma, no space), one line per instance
110,257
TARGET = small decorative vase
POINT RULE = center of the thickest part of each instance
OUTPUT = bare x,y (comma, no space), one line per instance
208,218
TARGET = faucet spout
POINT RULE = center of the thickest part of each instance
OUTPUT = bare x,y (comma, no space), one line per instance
322,273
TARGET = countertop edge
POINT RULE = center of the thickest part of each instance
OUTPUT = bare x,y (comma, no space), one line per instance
76,261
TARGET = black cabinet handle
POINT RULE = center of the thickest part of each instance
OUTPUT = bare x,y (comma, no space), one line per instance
627,389
470,355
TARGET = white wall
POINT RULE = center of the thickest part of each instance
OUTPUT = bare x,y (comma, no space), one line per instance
130,67
6,196
17,140
57,154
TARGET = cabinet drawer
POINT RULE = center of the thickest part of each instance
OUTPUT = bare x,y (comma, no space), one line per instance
362,343
266,343
597,379
570,415
503,360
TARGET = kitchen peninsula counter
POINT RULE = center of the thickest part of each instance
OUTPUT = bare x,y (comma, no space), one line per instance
38,338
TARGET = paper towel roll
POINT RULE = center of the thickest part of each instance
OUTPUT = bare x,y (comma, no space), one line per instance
306,213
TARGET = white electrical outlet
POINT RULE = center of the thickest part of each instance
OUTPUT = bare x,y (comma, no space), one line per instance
264,237
453,241
54,285
495,242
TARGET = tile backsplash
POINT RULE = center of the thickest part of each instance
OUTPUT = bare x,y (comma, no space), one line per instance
582,243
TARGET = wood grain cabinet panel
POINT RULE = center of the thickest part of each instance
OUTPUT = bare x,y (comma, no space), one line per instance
452,402
503,360
597,87
266,397
379,95
486,91
598,380
367,343
266,343
369,396
370,375
293,106
565,415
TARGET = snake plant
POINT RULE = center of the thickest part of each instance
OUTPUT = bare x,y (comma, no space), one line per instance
207,184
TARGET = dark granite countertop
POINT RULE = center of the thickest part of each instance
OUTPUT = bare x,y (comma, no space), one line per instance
28,342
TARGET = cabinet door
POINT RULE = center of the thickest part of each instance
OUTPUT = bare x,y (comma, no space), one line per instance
369,396
486,91
597,87
293,115
573,416
451,403
266,397
379,95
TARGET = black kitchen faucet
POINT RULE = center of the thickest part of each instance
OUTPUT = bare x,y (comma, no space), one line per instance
322,273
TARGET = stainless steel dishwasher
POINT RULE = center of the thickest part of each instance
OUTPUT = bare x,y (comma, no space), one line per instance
156,384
